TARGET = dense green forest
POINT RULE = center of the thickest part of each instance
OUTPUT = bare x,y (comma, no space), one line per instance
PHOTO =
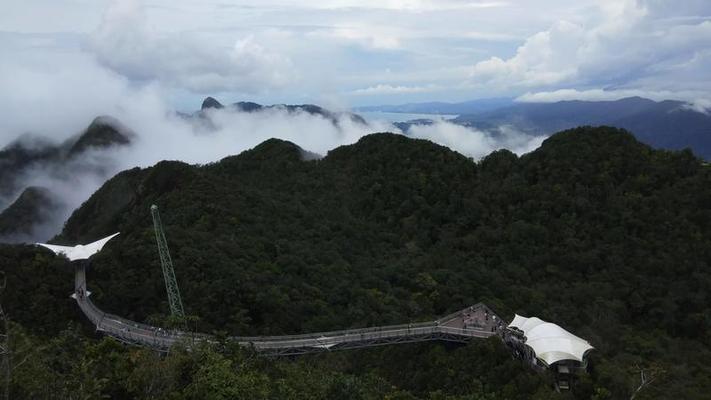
593,231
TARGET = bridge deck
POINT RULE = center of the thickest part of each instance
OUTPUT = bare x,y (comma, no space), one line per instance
477,321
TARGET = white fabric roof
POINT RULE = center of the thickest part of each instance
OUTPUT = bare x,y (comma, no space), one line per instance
79,252
550,342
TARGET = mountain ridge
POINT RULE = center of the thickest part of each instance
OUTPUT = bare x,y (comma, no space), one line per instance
667,124
594,230
28,154
248,106
28,151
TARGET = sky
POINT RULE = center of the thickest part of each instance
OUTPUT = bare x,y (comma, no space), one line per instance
344,53
64,62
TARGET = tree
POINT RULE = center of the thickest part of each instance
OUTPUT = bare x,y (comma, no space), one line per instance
647,376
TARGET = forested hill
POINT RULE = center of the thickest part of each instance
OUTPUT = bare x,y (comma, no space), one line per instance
594,231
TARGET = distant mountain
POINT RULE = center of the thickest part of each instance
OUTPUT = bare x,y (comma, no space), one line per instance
29,152
466,107
666,124
211,102
33,213
405,126
245,106
103,132
32,209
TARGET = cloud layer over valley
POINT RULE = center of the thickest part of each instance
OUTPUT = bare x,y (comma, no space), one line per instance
206,136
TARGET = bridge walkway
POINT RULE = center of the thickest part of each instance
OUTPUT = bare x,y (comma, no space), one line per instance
475,322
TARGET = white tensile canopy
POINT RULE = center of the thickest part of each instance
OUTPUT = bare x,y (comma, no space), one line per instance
550,342
78,252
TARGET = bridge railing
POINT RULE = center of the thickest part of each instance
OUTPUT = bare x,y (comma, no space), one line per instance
135,332
142,333
469,332
335,333
329,339
126,329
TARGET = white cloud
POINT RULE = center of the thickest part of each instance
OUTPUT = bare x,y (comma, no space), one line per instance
491,36
476,143
700,105
385,89
57,96
54,95
626,44
127,44
542,60
408,5
162,135
596,95
302,51
697,100
371,38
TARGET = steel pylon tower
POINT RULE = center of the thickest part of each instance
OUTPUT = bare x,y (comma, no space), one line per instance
171,285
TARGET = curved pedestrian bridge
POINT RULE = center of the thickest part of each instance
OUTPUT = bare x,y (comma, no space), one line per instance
477,321
548,345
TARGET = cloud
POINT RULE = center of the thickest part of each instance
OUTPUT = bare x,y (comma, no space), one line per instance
53,94
68,184
126,43
57,98
162,135
697,100
373,39
543,59
385,89
476,143
627,44
700,105
491,36
277,51
409,5
600,95
370,37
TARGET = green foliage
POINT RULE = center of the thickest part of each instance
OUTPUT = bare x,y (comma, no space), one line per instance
593,231
38,289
